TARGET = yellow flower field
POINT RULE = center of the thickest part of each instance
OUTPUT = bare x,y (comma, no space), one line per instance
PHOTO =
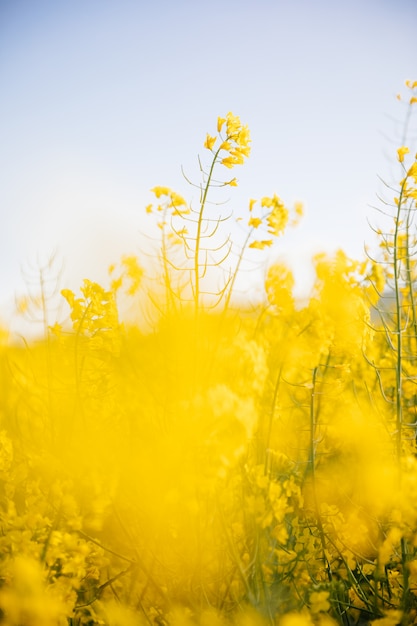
215,463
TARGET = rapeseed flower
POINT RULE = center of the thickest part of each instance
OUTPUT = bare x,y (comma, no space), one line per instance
401,152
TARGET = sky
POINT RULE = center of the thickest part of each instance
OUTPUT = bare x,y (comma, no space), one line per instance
101,100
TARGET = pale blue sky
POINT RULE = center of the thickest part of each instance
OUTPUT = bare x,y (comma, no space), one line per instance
104,99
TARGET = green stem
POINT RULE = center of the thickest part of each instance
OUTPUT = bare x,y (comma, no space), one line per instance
313,474
399,378
236,270
198,235
398,331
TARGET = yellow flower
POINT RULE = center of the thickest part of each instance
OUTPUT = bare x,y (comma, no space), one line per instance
133,272
279,285
174,239
266,202
226,145
161,191
319,601
116,284
280,533
210,141
176,200
220,122
277,220
401,152
233,124
298,213
296,619
299,209
238,156
391,618
242,150
252,202
255,222
237,140
244,137
278,217
229,162
412,172
260,245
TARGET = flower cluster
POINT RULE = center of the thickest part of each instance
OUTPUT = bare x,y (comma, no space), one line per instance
275,216
238,466
171,201
236,142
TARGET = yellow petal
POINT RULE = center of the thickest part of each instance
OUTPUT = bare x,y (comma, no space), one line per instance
401,152
161,191
229,162
210,141
255,222
260,245
220,122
